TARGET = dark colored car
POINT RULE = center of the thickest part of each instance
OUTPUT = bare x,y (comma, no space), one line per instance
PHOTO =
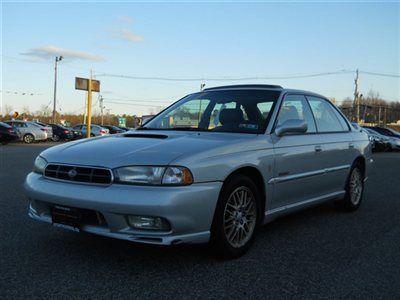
125,128
113,129
386,131
61,133
7,134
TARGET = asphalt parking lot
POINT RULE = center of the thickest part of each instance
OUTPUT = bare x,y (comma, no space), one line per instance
317,253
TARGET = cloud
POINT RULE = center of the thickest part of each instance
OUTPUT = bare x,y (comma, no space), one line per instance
129,36
46,52
125,19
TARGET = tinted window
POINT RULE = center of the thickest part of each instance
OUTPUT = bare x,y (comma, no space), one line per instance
325,116
5,125
295,107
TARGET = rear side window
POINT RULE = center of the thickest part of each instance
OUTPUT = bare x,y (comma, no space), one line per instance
325,116
295,107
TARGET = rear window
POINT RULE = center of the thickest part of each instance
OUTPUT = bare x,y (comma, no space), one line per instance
5,125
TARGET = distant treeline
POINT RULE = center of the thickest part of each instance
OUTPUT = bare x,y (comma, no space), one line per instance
373,109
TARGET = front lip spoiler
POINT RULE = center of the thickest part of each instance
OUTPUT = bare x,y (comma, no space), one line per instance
192,238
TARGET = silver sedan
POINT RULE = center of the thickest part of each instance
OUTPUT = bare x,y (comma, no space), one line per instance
211,168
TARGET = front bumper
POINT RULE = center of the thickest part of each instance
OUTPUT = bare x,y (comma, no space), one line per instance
188,209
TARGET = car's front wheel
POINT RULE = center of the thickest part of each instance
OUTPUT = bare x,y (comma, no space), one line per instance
236,217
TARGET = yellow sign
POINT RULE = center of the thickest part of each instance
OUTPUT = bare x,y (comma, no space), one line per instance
83,84
15,115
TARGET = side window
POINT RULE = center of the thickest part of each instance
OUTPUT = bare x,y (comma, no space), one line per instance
295,107
325,117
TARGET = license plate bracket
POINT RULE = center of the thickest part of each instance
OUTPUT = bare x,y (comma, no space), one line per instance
66,217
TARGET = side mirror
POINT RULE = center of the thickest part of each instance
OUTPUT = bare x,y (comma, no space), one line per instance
291,126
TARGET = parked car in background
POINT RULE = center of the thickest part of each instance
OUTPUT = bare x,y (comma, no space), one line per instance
126,128
47,128
244,156
392,141
61,133
7,134
386,131
113,129
378,141
29,132
95,130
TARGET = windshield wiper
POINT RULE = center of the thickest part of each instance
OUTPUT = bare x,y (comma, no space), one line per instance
185,129
146,128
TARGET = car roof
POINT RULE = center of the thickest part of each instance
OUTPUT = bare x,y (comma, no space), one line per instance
272,87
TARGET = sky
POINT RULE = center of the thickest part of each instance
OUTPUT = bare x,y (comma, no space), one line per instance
192,40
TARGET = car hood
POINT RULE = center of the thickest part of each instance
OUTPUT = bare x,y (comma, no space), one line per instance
145,148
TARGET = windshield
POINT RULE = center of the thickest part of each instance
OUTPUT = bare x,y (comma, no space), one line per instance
242,111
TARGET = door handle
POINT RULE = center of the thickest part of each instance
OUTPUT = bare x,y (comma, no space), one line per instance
318,148
351,145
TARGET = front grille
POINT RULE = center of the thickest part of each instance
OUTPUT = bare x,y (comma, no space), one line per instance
79,174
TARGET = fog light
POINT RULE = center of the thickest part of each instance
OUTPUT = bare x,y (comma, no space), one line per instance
145,222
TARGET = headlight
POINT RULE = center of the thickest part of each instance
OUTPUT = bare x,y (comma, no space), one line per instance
39,165
149,175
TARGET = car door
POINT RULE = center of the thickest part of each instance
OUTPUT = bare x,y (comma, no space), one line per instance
339,147
298,164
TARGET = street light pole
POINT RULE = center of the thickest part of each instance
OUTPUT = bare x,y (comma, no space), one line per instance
58,58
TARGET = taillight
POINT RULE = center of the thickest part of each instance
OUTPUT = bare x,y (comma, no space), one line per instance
43,129
10,130
66,131
103,131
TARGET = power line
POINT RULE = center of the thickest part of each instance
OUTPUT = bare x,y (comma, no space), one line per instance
138,100
380,74
225,78
134,104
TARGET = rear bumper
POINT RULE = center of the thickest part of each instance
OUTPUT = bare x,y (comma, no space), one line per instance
189,209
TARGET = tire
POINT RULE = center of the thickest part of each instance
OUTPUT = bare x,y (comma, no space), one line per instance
354,190
235,220
55,138
29,138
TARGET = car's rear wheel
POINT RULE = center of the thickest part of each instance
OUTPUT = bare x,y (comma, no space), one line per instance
236,217
29,138
55,138
354,190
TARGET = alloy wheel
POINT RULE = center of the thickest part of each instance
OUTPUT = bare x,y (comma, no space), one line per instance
355,186
240,217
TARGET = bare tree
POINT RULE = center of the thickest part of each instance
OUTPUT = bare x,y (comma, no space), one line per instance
7,109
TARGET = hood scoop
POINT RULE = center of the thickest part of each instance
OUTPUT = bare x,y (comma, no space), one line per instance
146,136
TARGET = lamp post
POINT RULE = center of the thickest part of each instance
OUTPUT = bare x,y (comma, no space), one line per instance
58,58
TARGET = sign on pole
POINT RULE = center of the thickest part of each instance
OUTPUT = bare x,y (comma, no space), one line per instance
90,86
83,84
122,122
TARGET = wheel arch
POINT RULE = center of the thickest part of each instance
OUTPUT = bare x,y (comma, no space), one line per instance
361,161
256,176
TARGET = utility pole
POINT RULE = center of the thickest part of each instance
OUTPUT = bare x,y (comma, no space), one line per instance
89,106
379,116
58,58
356,97
101,108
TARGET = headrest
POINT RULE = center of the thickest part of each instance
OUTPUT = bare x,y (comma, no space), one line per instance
288,113
231,115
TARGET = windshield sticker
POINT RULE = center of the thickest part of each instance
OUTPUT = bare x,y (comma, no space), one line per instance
248,126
